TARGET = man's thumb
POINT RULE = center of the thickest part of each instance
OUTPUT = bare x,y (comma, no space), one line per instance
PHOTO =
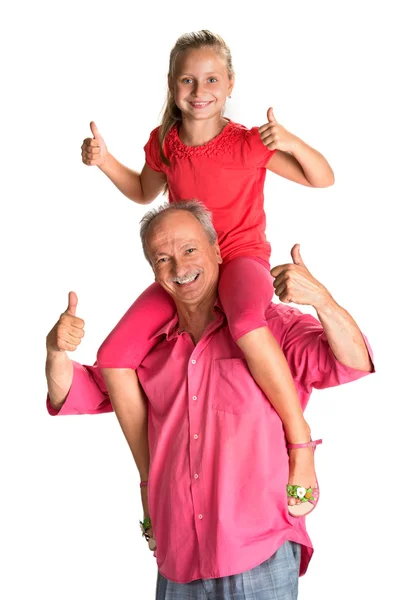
270,116
295,253
72,304
95,131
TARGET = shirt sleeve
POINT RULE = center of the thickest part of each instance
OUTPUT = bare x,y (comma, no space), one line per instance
152,152
87,395
256,154
310,357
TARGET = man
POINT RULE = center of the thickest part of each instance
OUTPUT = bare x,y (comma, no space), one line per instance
219,464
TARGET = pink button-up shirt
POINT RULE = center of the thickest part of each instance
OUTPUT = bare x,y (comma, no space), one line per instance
219,465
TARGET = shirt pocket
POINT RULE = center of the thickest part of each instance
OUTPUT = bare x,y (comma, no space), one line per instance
233,388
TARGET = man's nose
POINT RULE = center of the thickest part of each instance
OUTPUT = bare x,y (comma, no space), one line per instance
179,267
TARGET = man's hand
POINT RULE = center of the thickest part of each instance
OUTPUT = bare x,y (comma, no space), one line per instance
275,136
295,283
94,150
68,332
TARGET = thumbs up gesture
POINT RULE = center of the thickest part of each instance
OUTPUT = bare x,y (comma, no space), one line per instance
68,332
275,136
94,149
294,282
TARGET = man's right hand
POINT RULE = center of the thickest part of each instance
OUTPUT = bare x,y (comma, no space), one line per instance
68,332
94,150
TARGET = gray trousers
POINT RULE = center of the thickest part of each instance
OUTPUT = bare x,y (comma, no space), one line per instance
275,579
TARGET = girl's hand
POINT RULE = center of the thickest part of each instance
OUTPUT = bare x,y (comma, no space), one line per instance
276,137
94,149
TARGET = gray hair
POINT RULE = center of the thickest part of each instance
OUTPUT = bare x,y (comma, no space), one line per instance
194,207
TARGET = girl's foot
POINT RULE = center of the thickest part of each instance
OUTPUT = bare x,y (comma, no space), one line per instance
146,525
301,470
302,489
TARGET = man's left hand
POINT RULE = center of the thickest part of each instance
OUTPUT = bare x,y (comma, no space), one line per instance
295,283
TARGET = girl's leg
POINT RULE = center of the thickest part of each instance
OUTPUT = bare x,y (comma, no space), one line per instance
245,290
130,405
135,333
119,356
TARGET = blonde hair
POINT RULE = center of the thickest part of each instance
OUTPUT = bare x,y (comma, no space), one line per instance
189,41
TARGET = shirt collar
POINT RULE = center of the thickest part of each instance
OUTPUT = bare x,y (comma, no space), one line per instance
171,329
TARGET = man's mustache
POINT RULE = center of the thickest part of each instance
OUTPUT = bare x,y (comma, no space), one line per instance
186,278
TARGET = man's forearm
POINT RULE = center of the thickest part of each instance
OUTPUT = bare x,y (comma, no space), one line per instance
344,336
59,374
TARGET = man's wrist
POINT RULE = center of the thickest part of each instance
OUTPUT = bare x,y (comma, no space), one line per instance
325,304
55,356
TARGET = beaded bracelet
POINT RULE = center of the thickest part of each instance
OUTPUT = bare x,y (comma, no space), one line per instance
143,483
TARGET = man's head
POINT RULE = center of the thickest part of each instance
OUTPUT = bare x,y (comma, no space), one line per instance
180,243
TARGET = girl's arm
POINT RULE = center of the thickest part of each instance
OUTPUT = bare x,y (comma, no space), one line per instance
142,187
294,159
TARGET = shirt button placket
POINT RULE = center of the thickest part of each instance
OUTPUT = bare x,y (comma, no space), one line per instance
196,437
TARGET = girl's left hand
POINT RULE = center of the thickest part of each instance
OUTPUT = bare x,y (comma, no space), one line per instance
275,136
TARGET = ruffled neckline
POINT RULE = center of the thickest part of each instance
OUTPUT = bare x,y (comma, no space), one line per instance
218,145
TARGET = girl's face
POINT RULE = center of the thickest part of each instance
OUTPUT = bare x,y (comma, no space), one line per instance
201,85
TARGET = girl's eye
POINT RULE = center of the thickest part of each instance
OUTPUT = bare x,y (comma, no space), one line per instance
212,80
187,80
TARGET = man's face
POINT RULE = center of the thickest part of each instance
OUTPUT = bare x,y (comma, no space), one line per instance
183,260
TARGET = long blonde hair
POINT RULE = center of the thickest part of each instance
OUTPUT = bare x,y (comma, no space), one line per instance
189,41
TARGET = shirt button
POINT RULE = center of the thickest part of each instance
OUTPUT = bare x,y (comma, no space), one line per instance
195,436
194,398
200,516
196,476
193,362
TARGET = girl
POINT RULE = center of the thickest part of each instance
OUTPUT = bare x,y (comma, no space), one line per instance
198,153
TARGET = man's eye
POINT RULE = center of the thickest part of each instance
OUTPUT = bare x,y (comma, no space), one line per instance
162,260
190,250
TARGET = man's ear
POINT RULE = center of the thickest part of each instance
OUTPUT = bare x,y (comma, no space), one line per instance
218,253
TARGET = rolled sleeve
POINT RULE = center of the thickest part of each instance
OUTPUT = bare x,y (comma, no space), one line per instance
309,355
331,372
87,395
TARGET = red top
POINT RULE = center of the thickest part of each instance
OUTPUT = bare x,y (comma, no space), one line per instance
227,174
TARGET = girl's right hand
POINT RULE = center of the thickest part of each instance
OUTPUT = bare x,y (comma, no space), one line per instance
94,151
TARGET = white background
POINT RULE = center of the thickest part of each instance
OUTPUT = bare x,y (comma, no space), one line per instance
333,72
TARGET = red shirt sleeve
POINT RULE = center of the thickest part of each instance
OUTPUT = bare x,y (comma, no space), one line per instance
87,395
152,152
308,353
255,153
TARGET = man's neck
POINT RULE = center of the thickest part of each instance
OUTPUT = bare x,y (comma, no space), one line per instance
194,318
